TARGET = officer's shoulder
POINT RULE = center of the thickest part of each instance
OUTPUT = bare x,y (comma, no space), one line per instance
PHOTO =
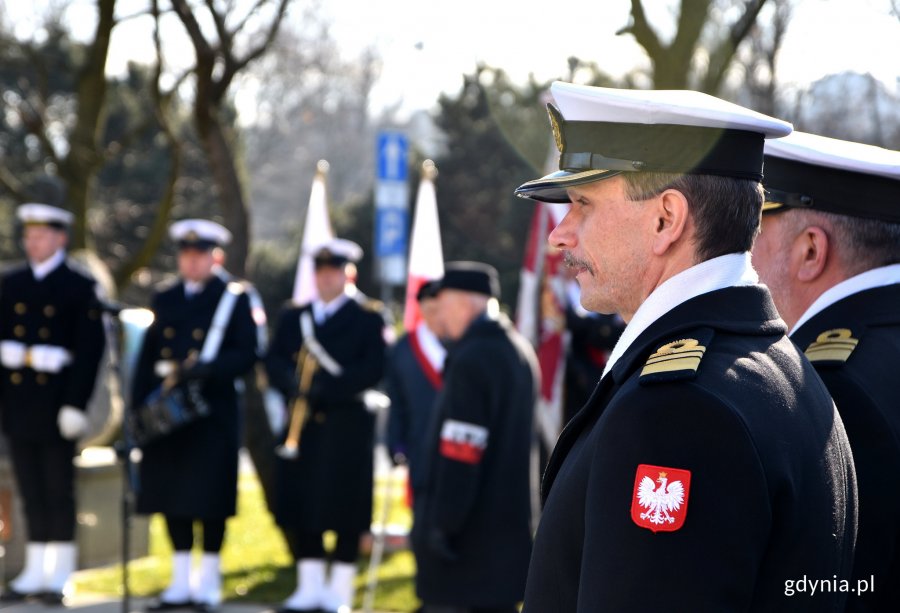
833,346
13,275
677,359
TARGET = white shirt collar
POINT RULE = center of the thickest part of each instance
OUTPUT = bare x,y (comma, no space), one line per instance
718,273
324,310
192,288
877,277
40,271
431,346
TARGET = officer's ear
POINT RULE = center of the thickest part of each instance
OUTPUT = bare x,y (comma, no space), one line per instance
811,250
671,215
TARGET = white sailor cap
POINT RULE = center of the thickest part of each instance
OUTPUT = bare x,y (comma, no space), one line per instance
199,234
34,213
601,132
816,172
336,252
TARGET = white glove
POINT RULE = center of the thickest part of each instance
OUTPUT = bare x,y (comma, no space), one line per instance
72,422
12,354
47,358
276,411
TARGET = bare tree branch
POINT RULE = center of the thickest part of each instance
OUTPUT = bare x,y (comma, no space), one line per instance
641,30
720,57
161,101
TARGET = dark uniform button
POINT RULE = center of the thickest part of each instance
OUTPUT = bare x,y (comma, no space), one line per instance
44,333
41,379
169,332
19,331
16,378
20,308
94,314
197,334
319,417
165,352
49,311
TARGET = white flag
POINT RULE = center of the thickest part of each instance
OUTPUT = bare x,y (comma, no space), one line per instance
426,255
316,231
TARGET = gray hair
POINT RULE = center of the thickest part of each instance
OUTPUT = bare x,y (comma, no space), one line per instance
863,244
725,210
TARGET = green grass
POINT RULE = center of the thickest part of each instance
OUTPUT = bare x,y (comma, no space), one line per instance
256,564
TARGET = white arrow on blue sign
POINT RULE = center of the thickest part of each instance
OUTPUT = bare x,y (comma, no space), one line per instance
393,151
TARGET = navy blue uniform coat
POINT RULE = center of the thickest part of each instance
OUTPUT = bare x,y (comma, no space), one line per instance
61,310
481,505
412,396
192,473
329,487
772,494
866,389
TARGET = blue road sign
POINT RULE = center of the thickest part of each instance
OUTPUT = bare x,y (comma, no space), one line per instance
393,150
390,232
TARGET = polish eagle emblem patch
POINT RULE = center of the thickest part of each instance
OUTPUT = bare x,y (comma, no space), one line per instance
660,497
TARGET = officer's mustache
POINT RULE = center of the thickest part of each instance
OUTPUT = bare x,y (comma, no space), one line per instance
572,262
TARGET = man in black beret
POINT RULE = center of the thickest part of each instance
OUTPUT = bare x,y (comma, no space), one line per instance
709,470
472,531
830,253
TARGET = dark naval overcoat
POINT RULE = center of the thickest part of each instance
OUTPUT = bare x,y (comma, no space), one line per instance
709,471
192,472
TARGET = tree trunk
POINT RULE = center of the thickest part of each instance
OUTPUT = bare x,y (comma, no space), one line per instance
79,168
230,189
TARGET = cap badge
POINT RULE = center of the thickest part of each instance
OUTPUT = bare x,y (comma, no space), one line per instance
191,236
660,497
832,346
556,121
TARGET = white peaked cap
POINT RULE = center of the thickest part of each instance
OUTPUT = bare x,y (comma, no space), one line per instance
200,233
816,172
35,213
602,132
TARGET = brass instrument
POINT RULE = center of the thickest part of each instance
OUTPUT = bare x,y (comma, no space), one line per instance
306,368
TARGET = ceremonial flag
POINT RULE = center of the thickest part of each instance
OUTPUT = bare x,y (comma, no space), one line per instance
316,231
426,256
540,316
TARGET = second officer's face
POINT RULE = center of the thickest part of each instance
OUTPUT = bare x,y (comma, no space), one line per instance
330,281
195,265
605,244
40,242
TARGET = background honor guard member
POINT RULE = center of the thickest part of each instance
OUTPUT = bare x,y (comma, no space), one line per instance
322,357
413,380
51,342
191,474
830,253
710,465
472,530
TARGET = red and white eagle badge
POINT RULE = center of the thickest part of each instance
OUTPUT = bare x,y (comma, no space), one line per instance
660,497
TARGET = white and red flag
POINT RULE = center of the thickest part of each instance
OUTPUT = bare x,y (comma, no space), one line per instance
540,315
316,231
426,255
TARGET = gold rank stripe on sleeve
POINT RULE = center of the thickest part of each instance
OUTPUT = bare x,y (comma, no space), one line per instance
682,355
832,346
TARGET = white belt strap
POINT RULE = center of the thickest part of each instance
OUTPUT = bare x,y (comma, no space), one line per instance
220,321
315,347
